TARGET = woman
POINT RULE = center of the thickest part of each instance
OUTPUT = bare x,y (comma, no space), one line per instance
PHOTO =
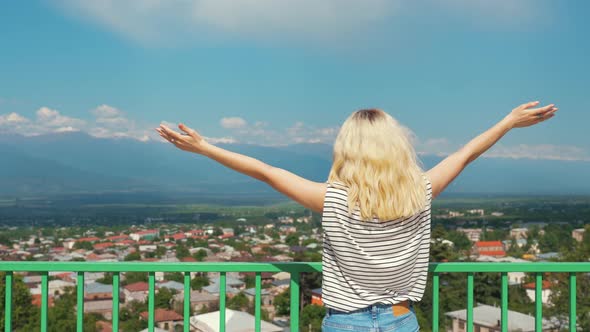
375,212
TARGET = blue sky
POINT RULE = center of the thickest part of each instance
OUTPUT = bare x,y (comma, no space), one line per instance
286,71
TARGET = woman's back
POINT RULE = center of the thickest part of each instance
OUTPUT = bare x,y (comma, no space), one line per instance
368,262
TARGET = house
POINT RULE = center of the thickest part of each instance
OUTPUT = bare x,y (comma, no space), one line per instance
545,291
145,235
199,299
265,296
489,248
235,321
578,234
316,296
165,319
137,291
473,234
98,298
488,318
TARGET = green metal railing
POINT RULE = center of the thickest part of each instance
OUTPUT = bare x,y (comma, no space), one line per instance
503,268
294,269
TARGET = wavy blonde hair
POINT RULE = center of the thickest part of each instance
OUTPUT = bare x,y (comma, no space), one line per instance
374,158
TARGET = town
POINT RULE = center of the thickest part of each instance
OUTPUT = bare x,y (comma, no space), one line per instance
458,234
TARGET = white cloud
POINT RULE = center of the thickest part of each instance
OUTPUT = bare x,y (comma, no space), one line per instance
156,22
233,122
48,118
12,118
540,151
159,21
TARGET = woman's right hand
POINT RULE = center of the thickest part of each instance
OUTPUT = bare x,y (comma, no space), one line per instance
524,115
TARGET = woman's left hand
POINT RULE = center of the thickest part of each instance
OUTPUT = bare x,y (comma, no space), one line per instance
190,140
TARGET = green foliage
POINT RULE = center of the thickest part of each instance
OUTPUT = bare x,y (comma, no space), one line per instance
292,239
460,240
282,304
182,251
24,314
200,255
134,256
238,302
107,279
129,319
174,276
83,245
163,298
62,316
311,318
133,277
199,281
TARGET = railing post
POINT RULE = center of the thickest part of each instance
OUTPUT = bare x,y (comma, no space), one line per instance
538,302
573,302
435,305
151,300
115,313
469,301
222,301
80,301
294,305
257,300
8,303
44,301
187,302
504,320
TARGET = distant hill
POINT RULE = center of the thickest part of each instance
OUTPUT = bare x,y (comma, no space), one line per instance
77,162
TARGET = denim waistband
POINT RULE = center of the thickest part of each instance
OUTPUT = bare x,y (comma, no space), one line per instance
377,307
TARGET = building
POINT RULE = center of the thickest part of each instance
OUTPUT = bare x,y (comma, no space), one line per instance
578,234
98,298
488,318
137,291
519,233
473,234
479,212
149,234
545,291
235,321
167,320
489,248
316,296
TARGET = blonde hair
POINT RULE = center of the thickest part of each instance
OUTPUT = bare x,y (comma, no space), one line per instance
374,158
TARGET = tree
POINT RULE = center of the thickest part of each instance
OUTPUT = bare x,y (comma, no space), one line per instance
134,256
133,277
24,315
163,298
182,251
282,303
83,245
199,281
311,318
238,302
292,239
200,255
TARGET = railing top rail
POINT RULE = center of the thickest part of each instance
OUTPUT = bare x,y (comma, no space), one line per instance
459,267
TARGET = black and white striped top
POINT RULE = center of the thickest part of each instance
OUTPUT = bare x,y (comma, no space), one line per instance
369,262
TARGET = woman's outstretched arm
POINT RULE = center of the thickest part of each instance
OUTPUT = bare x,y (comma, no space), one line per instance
307,193
522,116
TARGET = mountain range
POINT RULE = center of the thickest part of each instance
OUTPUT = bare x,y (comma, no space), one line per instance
79,163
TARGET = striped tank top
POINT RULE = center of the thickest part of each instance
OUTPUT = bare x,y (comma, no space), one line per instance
370,262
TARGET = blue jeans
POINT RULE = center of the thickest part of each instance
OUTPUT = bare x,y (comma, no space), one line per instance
374,318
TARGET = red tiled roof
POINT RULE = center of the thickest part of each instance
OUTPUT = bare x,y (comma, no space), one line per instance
140,286
162,315
188,259
178,236
103,245
36,300
488,244
88,239
492,252
531,285
149,231
117,237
